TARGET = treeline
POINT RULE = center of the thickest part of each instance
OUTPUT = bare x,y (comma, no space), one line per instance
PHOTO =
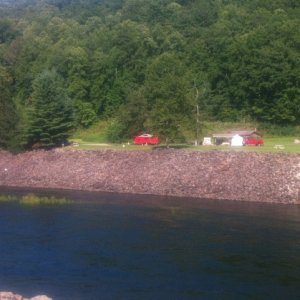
146,65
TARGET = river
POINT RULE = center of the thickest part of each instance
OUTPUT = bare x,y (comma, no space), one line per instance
114,246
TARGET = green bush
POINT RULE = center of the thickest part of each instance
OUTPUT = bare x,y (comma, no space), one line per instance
280,130
115,132
85,114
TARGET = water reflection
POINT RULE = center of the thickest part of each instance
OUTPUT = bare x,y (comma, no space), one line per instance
106,246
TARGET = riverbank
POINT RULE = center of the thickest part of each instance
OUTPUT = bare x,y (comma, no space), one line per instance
245,176
11,296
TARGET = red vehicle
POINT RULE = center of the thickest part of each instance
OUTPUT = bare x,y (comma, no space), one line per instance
253,141
146,139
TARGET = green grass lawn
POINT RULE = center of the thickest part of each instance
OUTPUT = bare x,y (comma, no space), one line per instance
94,134
280,144
272,144
98,145
94,138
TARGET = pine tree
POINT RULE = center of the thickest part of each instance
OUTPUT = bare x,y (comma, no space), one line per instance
51,116
8,115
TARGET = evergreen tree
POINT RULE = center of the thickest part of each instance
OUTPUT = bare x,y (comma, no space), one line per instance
138,62
8,115
51,116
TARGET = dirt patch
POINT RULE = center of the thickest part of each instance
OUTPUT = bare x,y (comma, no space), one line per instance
244,176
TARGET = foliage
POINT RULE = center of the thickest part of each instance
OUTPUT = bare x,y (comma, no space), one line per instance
115,132
279,130
51,114
85,114
134,114
8,114
139,63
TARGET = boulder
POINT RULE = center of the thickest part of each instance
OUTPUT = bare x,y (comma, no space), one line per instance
11,296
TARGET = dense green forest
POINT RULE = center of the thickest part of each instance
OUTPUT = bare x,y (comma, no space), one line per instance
145,65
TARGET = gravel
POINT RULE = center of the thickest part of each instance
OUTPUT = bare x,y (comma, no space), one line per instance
246,176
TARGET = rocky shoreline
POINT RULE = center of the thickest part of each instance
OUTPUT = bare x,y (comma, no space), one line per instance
11,296
245,176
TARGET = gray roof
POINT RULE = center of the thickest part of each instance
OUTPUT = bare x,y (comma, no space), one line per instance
233,133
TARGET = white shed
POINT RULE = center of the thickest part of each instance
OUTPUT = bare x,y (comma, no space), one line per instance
237,140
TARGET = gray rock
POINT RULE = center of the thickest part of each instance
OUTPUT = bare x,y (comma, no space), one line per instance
11,296
245,176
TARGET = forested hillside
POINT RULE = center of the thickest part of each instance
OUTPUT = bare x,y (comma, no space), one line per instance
146,64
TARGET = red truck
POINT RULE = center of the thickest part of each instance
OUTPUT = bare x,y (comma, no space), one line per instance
253,141
146,139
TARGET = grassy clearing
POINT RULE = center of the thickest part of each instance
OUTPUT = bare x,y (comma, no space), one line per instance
94,134
32,199
98,145
94,138
272,144
280,144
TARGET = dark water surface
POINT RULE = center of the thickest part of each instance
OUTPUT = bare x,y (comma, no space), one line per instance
144,247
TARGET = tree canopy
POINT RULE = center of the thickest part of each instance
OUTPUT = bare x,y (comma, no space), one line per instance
140,62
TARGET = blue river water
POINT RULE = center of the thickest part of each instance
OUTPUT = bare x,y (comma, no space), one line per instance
110,246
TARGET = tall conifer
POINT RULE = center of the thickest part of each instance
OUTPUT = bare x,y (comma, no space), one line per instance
51,117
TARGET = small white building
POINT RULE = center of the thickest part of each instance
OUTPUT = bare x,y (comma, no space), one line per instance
207,141
237,140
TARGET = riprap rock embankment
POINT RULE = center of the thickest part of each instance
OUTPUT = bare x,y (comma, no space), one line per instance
228,175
